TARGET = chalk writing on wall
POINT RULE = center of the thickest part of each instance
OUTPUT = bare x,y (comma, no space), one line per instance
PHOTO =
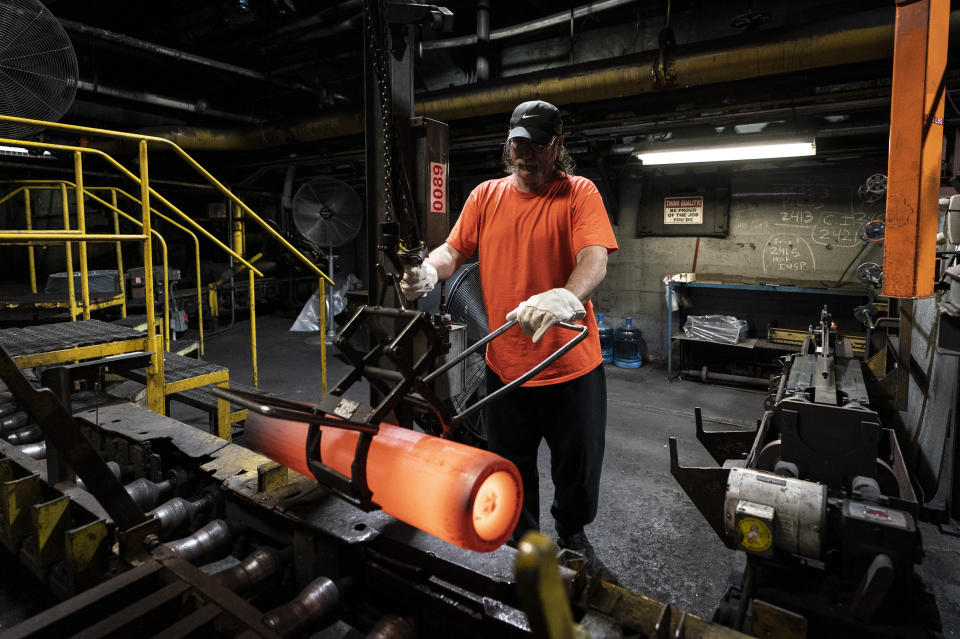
748,218
839,229
819,211
788,253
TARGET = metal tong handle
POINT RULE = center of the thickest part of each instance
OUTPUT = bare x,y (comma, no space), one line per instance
580,329
281,408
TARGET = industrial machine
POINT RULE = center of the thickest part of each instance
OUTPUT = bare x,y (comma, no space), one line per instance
817,502
181,533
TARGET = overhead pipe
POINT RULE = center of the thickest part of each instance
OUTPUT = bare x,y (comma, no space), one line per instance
789,50
320,17
528,27
161,100
159,49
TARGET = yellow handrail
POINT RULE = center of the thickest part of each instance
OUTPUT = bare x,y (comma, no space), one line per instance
155,377
121,280
113,190
31,263
196,245
134,178
186,157
163,244
68,252
147,191
82,225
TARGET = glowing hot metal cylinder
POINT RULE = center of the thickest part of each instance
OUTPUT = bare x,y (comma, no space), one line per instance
463,495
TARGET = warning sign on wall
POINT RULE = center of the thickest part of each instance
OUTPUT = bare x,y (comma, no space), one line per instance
683,210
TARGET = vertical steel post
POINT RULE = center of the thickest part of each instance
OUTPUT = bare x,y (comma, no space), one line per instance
31,261
156,393
237,220
82,225
116,229
253,327
68,251
916,139
323,342
166,290
57,379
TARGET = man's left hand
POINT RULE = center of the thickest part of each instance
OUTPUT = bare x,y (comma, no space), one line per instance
543,310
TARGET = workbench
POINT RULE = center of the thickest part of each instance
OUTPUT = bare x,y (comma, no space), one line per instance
768,309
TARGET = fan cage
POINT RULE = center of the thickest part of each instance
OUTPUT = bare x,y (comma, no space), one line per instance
327,212
38,67
465,306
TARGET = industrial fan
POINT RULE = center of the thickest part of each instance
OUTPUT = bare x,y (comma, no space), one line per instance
328,213
38,67
465,305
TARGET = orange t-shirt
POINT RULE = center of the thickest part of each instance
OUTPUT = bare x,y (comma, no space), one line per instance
528,244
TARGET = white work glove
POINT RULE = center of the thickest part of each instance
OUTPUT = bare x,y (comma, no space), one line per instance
543,310
418,280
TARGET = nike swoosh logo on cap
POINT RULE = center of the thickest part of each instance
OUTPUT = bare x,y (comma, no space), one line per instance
528,115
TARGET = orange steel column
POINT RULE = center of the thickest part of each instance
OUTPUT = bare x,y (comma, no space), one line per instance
916,140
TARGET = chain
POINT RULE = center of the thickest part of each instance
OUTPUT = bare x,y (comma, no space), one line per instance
377,36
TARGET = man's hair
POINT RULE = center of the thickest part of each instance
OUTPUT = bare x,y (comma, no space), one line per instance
563,164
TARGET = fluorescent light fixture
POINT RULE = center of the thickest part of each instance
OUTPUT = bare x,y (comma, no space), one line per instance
18,150
729,153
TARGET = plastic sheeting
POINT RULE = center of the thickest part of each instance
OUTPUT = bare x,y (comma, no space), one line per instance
309,318
722,329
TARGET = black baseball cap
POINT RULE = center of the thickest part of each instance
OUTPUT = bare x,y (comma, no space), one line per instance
536,120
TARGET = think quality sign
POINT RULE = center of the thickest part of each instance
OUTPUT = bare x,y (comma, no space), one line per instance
683,210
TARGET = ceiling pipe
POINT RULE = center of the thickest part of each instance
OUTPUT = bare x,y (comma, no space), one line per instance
163,101
159,49
789,50
528,27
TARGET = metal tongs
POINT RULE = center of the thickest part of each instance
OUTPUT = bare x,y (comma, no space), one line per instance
581,331
411,385
282,408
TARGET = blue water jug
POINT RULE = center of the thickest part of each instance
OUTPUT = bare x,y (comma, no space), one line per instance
605,331
628,346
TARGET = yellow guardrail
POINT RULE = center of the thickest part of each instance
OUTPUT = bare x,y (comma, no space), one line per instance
155,371
59,184
113,206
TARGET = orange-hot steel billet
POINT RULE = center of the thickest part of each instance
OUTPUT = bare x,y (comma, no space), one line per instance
464,495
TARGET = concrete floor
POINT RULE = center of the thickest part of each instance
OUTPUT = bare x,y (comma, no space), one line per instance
647,531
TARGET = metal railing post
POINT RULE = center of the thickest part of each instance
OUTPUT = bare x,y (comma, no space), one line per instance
116,229
253,328
156,393
166,291
68,250
82,225
31,262
196,245
323,331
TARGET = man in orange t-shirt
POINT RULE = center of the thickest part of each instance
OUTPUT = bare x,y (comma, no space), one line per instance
543,236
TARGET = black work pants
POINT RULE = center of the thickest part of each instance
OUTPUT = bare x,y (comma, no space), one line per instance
572,417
